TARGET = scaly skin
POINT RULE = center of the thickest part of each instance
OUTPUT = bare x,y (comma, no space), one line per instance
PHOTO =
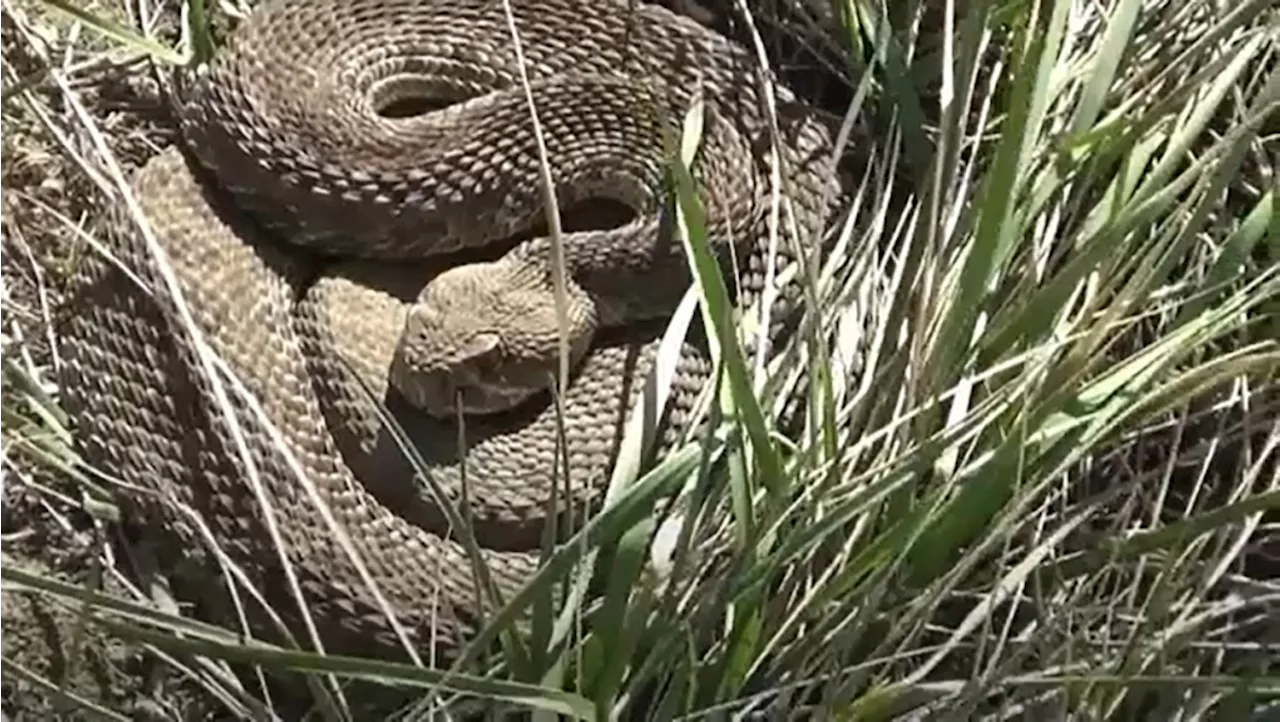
286,165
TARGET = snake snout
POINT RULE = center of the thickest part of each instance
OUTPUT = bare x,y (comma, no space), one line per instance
471,375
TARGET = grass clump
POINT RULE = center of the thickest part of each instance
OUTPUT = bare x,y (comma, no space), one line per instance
1035,469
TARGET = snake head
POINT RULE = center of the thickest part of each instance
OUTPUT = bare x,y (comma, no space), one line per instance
483,338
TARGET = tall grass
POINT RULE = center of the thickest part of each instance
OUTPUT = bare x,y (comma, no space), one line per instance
1039,450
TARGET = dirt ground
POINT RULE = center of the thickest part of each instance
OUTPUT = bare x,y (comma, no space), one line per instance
48,202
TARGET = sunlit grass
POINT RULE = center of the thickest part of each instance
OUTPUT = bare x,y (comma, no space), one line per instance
1033,476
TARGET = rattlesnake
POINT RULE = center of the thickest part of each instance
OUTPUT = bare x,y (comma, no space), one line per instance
283,146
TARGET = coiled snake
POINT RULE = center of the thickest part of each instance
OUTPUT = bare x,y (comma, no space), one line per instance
302,215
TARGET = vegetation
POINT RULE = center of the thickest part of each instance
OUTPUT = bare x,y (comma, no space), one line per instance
1034,476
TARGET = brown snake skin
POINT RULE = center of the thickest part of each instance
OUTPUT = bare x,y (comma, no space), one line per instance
300,226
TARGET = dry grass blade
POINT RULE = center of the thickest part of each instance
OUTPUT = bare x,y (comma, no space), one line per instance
1035,474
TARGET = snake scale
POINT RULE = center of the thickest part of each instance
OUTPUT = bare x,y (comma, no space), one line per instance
301,219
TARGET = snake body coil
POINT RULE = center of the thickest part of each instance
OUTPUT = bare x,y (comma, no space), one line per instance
302,223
